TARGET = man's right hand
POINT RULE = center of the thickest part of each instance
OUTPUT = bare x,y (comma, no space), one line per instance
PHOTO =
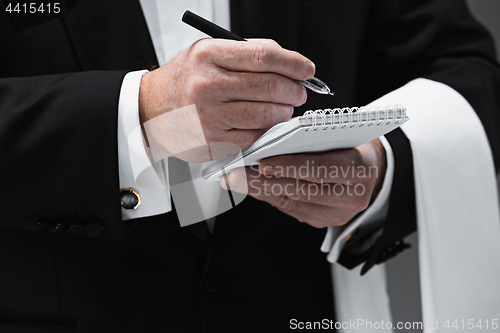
239,89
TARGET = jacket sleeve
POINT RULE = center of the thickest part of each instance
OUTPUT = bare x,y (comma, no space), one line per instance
58,148
441,41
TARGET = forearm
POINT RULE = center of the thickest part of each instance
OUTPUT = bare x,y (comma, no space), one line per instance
477,79
58,140
438,40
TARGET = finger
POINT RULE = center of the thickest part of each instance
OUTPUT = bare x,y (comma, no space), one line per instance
323,216
339,166
238,178
256,57
243,137
312,213
264,40
261,87
254,115
348,197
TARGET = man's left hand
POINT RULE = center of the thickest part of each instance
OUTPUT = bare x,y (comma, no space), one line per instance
321,189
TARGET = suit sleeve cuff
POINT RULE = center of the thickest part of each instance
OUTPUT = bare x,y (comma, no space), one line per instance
370,221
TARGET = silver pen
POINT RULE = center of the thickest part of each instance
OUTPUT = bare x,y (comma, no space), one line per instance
317,86
214,31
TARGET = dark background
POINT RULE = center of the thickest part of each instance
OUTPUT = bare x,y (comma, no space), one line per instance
402,271
487,12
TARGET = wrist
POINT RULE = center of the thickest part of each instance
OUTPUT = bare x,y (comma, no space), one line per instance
382,167
144,98
145,94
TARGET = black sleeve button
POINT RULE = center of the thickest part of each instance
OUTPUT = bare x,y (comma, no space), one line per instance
42,227
58,229
392,251
77,229
130,199
95,230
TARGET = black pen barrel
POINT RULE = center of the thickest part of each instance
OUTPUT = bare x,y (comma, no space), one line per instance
208,27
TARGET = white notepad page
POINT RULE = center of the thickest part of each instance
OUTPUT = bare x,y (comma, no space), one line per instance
315,131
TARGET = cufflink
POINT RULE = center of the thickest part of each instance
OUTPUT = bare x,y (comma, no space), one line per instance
130,199
348,237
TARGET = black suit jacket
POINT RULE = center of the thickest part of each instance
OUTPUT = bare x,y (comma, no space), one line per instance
85,269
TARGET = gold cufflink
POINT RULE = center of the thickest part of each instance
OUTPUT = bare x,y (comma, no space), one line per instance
350,235
130,199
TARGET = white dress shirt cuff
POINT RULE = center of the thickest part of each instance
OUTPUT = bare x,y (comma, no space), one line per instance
155,199
370,221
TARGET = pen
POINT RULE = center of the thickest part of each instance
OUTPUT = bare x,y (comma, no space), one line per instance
214,31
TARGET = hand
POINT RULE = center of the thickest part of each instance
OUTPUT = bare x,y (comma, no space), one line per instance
322,189
236,91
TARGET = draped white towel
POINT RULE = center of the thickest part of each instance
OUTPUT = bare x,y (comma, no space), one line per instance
457,215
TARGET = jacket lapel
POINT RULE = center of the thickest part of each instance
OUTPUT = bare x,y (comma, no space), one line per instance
278,20
110,35
101,37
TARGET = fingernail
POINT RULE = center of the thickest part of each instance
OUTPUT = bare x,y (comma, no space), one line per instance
267,170
304,96
309,69
237,180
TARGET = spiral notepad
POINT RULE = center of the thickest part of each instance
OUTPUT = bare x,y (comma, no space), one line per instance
315,131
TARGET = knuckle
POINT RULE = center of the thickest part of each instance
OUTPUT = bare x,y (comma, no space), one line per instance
357,204
274,42
272,86
335,219
299,195
267,115
283,202
304,220
319,223
197,87
262,57
337,222
201,50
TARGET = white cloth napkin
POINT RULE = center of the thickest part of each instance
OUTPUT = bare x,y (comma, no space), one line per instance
457,215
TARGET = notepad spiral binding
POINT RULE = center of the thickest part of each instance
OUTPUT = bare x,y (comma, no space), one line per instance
351,117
